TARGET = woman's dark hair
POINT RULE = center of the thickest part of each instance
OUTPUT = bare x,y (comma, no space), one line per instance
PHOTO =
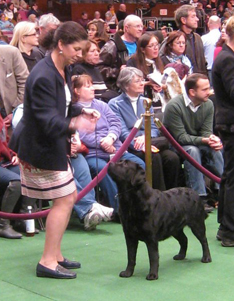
68,33
170,39
8,6
140,58
101,34
109,6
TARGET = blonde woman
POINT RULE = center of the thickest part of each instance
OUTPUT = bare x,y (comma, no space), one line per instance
25,37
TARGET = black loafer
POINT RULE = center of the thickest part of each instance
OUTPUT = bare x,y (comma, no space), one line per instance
59,273
68,264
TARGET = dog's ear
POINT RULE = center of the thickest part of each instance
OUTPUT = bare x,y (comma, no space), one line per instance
138,178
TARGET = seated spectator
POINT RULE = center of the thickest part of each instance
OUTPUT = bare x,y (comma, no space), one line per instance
189,118
84,20
87,209
3,5
174,51
117,51
128,107
148,61
25,37
20,4
9,11
121,13
33,18
34,10
220,11
10,186
151,26
97,16
104,142
17,18
90,55
12,84
97,32
3,39
5,25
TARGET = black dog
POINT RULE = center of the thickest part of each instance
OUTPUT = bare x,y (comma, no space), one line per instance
150,215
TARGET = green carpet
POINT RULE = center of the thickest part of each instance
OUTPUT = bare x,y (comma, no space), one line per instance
103,255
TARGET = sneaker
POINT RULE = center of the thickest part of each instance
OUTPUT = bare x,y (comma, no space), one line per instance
107,212
92,219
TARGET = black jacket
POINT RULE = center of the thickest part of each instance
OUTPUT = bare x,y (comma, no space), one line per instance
223,83
113,55
41,137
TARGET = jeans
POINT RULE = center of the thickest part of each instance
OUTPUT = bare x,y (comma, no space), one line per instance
9,187
207,157
11,173
82,178
107,185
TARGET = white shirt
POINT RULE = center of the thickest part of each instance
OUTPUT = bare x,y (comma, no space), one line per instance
209,41
68,98
188,103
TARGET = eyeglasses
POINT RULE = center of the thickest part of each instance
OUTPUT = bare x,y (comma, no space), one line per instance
151,46
30,35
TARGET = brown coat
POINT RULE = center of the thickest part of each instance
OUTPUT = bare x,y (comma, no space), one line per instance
13,75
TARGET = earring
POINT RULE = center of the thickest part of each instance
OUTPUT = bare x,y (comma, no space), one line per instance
60,52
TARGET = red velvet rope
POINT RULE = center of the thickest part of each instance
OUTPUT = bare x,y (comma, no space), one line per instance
184,154
84,191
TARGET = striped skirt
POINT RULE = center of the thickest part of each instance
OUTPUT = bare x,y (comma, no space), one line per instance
45,184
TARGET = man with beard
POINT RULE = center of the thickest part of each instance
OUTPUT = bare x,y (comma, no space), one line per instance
189,118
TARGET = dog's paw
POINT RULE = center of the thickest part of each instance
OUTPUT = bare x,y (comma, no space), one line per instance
179,257
125,274
152,276
206,259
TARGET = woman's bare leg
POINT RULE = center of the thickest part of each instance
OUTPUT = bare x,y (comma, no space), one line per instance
56,225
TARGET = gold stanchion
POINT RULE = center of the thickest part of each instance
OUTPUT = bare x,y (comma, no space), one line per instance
148,159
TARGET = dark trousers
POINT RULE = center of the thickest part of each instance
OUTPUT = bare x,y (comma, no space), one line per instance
165,168
226,200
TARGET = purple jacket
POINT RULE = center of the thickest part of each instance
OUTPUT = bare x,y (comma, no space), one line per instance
108,123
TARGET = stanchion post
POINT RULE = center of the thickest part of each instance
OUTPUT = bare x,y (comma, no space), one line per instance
148,159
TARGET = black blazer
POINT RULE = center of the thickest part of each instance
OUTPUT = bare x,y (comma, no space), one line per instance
41,137
223,83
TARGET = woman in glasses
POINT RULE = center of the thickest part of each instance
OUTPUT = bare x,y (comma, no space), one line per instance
174,51
129,107
25,37
148,61
97,32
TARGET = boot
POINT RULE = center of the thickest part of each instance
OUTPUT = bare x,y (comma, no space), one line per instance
6,230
